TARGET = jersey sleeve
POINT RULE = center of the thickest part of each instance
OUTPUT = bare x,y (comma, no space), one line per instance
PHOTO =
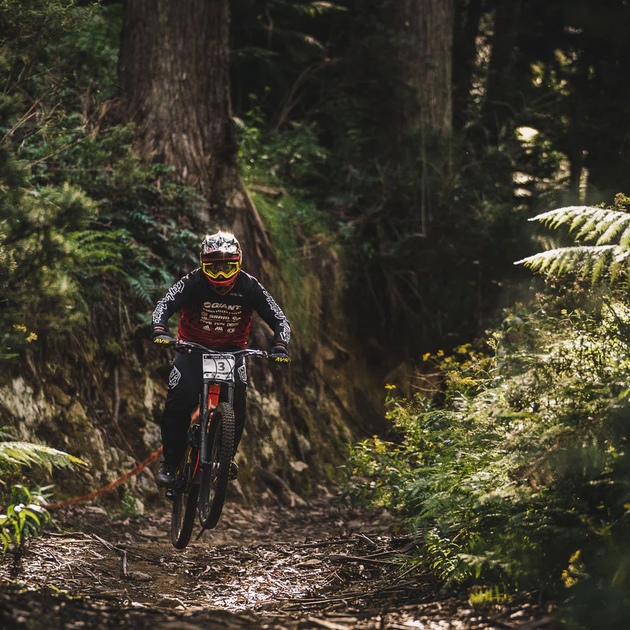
175,297
271,314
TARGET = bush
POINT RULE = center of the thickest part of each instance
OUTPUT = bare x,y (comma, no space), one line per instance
517,473
24,510
89,236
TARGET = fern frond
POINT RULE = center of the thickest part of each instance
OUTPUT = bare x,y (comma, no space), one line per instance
561,216
624,239
587,224
563,259
142,286
6,433
592,262
28,454
598,266
610,229
590,223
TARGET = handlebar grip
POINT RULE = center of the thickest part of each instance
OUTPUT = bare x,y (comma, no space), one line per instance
165,340
279,358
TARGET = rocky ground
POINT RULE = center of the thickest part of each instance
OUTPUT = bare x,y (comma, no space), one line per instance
317,567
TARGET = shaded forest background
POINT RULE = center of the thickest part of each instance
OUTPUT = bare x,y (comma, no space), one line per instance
426,216
379,160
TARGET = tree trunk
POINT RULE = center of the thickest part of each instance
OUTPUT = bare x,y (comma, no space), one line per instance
174,72
468,15
422,118
497,108
426,27
575,140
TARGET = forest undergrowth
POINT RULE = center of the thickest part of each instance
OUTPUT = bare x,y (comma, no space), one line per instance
515,473
90,235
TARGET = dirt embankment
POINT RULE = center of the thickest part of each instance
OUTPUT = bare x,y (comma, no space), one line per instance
315,567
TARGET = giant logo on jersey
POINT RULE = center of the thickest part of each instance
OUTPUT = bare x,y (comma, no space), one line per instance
221,318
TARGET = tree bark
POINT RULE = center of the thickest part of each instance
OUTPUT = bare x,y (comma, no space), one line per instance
497,109
174,72
468,15
426,27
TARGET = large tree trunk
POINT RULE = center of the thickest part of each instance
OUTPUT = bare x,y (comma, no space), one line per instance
468,15
426,27
497,109
422,121
174,72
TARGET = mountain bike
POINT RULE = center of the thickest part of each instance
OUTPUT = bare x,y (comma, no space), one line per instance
202,478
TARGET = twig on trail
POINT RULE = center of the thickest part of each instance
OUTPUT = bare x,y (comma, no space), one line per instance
533,625
111,547
87,572
499,624
105,544
324,543
362,559
95,554
368,540
54,556
407,572
123,561
322,623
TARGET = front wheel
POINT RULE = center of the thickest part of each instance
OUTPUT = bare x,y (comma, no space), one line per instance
184,503
215,475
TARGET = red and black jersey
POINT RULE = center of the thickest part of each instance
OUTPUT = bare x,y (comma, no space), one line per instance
220,321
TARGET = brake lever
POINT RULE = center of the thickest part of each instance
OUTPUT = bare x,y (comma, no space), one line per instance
181,348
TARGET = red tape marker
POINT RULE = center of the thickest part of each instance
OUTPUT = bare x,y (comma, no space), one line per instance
110,486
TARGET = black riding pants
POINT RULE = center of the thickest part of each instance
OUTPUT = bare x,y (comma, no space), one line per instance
183,395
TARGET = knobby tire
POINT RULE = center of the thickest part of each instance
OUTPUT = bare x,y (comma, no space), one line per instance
214,481
184,508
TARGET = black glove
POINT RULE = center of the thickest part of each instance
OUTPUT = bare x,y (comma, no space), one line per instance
279,354
159,335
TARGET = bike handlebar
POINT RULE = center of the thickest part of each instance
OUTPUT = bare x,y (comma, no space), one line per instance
191,346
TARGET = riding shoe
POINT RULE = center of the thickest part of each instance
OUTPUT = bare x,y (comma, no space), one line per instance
166,477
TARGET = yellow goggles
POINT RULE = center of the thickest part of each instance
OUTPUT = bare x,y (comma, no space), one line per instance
221,268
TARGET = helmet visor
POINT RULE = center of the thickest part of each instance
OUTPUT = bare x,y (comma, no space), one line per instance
221,269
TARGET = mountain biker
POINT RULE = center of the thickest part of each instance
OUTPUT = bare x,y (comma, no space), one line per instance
217,301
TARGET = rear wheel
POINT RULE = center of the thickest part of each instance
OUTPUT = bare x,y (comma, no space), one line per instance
216,474
184,503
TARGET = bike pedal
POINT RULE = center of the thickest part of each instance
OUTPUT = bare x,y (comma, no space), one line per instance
170,494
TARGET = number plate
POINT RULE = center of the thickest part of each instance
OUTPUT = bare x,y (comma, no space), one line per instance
218,367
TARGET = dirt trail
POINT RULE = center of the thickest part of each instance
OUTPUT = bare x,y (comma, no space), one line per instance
315,567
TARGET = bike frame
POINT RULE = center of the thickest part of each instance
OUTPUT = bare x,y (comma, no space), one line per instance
201,483
212,389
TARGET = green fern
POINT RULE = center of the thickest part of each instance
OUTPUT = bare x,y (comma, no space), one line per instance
605,233
28,454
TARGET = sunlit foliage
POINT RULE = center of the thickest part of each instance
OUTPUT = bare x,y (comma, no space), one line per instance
519,466
608,229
